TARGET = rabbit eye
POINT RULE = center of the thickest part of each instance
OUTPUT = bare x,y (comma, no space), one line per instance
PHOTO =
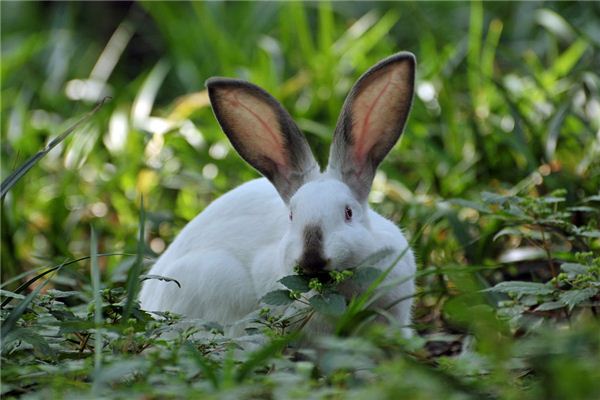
348,214
291,217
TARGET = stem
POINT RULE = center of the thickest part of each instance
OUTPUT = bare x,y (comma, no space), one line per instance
548,255
83,344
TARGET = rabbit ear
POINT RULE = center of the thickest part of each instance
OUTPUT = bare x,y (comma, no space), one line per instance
371,121
263,133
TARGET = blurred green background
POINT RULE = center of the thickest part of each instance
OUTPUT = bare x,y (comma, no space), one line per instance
507,101
507,104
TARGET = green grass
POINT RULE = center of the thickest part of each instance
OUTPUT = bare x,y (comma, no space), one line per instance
496,182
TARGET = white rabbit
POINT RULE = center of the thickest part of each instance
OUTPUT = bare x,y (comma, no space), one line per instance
236,250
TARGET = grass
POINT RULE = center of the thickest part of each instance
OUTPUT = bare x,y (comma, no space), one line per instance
496,181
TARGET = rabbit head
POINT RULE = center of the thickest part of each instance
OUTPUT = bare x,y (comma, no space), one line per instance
329,223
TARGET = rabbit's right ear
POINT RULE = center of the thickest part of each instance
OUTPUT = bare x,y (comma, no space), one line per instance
263,133
372,121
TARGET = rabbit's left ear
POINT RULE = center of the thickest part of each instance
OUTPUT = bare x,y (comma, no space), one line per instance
372,121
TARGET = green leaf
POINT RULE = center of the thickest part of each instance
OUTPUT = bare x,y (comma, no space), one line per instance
554,129
295,282
60,294
13,178
49,269
133,275
25,285
532,234
573,297
591,234
331,304
278,298
549,306
470,204
555,23
493,198
515,211
375,257
208,367
508,231
521,288
98,318
11,320
214,327
366,275
574,268
569,58
9,294
39,344
118,372
358,304
261,356
75,325
551,199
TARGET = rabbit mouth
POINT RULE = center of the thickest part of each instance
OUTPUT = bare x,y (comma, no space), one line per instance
322,275
314,266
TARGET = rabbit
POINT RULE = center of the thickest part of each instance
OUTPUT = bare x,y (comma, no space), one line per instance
234,252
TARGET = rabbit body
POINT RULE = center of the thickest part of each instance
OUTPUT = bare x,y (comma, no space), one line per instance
234,252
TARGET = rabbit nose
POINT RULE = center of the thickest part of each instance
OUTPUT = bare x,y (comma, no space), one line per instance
312,259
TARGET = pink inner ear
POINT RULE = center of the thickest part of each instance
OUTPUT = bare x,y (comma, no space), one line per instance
376,109
256,125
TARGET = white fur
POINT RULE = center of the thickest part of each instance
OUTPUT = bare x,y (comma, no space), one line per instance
234,252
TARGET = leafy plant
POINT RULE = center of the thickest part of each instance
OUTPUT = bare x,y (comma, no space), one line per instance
506,112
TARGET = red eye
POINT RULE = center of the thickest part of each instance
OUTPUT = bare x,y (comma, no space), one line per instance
291,216
348,214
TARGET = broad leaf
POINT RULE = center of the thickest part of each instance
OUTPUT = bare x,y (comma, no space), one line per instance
375,257
549,306
331,304
27,335
574,268
295,282
278,298
366,275
7,293
576,296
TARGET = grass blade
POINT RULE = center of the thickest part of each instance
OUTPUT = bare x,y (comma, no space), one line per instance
29,282
358,304
95,277
207,366
262,355
10,322
53,268
133,281
13,178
